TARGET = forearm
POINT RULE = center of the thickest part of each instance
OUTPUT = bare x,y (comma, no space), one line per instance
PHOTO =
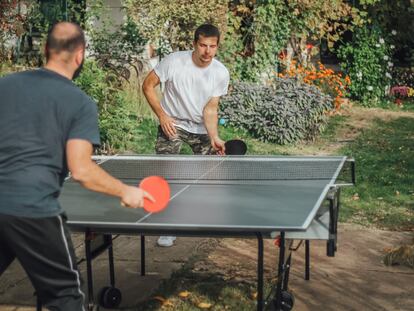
148,88
153,101
94,178
87,172
210,121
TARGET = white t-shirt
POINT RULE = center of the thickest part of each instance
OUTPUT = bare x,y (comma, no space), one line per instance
188,88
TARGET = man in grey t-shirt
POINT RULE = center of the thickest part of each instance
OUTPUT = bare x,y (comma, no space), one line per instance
194,81
47,127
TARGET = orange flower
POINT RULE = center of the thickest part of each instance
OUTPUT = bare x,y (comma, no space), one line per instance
325,79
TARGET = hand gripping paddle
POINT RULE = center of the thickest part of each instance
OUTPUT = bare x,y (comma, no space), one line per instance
158,187
235,147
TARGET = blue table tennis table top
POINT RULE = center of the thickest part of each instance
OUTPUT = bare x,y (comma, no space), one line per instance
210,193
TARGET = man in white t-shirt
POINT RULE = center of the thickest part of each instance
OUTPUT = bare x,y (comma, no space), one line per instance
188,111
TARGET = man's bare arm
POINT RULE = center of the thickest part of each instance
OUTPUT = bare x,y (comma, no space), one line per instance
92,177
210,115
148,87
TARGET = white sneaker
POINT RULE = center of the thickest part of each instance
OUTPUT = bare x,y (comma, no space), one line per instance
166,241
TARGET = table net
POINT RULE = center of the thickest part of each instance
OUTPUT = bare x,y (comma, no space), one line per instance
216,169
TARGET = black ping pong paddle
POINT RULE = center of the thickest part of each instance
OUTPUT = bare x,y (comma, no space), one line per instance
235,147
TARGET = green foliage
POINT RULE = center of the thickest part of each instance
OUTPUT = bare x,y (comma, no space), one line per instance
93,81
116,121
7,68
145,135
396,16
367,2
254,37
366,60
13,22
24,25
315,21
257,31
175,21
118,48
318,19
117,125
285,112
46,13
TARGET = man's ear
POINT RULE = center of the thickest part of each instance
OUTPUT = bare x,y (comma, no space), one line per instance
79,56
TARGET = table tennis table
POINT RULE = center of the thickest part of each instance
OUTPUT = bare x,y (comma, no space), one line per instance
289,197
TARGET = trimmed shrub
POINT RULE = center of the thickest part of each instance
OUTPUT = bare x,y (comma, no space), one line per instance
284,112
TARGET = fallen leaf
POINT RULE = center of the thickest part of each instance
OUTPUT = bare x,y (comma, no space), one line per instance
254,295
184,294
204,305
397,192
164,302
159,298
167,303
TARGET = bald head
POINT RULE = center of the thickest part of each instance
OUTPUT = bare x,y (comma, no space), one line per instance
64,39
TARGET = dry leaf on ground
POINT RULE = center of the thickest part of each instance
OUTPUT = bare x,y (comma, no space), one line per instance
204,305
159,298
184,294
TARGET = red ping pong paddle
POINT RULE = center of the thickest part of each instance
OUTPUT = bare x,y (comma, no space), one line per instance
158,187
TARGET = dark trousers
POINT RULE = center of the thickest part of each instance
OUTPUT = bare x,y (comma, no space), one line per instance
44,248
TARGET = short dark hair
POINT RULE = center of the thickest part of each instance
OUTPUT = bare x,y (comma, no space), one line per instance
70,43
207,30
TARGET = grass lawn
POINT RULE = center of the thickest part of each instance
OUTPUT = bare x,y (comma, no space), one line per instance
384,194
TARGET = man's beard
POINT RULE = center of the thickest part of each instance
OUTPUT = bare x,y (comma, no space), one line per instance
78,71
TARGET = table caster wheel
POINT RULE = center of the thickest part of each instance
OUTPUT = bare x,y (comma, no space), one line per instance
288,300
110,297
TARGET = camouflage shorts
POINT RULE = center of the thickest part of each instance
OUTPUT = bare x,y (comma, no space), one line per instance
199,143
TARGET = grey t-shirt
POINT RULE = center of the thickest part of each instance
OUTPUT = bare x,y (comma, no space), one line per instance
40,111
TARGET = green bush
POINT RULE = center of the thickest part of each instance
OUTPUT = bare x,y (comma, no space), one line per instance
367,61
117,125
285,112
116,121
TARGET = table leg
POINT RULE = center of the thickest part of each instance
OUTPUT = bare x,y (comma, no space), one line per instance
281,271
111,262
142,255
88,256
259,272
307,260
38,304
287,273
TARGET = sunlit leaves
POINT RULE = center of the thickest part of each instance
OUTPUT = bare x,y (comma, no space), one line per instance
175,21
